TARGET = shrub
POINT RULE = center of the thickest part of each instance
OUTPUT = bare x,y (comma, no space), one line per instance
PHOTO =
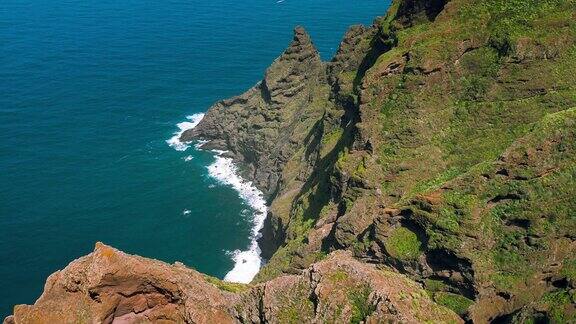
403,244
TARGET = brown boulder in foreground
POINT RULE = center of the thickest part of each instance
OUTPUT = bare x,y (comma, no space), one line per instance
110,286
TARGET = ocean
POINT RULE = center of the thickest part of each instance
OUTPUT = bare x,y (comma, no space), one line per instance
92,94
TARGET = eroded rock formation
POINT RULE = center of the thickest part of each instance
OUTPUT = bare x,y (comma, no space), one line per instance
263,127
110,286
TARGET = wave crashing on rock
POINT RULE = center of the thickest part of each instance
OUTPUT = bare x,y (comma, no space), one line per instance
247,263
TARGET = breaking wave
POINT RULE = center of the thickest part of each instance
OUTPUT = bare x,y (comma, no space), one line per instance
247,263
192,122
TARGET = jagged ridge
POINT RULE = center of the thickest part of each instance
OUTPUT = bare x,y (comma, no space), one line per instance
263,127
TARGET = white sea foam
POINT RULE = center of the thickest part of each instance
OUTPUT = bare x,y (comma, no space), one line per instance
188,158
246,263
192,122
199,144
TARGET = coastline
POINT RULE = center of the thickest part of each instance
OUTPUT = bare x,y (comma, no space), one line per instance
247,262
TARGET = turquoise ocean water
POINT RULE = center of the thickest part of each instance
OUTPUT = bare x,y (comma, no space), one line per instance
89,93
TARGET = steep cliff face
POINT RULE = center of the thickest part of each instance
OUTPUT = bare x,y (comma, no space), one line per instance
264,127
455,93
438,143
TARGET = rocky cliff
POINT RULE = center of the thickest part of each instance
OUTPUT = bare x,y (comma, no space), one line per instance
109,286
264,127
436,150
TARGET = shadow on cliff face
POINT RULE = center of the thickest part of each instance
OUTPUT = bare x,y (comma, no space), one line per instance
317,187
410,12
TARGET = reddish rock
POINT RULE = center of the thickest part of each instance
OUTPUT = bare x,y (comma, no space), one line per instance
110,286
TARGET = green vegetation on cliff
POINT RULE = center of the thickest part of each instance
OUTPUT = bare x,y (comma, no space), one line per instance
459,169
403,244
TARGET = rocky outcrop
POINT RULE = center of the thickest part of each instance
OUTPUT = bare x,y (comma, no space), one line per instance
427,124
110,286
411,124
342,289
262,128
409,121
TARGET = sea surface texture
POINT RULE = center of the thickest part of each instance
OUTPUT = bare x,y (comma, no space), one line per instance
91,95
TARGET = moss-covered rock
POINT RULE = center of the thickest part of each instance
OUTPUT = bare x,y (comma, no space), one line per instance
403,244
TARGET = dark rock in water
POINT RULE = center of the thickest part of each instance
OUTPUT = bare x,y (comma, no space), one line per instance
273,130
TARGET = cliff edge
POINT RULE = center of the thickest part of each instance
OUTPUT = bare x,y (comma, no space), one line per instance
109,286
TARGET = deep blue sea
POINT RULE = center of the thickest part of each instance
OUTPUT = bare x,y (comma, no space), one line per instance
89,93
